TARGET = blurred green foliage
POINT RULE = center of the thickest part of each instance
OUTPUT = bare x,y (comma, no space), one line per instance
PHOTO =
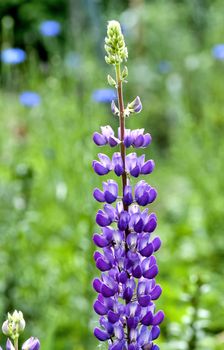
46,209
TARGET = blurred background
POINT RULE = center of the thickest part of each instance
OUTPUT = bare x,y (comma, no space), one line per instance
54,95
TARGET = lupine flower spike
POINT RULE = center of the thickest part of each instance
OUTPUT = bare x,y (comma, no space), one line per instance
13,327
126,288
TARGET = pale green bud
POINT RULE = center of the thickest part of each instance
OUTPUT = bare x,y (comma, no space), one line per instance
124,73
111,81
114,44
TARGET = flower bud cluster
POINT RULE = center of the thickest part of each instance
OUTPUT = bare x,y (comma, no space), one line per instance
114,44
12,327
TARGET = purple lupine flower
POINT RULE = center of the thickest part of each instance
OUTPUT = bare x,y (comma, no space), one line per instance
126,288
135,138
9,345
13,56
50,28
31,344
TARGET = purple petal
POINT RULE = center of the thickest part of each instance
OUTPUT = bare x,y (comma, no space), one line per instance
139,141
151,224
147,251
113,141
135,171
99,240
102,265
102,219
147,319
147,140
137,105
99,139
105,160
118,345
156,243
155,331
156,292
158,318
106,291
155,347
137,272
147,167
152,195
123,221
128,141
128,199
9,345
99,168
151,272
31,344
138,225
128,293
144,300
101,335
98,195
97,285
119,331
99,308
112,316
118,169
144,199
122,278
109,197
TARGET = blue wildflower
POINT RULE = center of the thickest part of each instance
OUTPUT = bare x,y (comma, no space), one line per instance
104,95
72,60
13,55
218,52
29,99
50,28
164,67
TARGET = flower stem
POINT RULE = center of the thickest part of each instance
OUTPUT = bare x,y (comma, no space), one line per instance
123,150
16,343
122,126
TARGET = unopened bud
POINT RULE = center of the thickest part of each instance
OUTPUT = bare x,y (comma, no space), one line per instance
124,73
115,44
111,81
114,108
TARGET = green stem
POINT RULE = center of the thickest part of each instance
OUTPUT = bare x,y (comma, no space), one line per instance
16,343
122,126
122,148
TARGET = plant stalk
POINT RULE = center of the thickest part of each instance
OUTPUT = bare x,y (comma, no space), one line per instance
122,149
122,126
